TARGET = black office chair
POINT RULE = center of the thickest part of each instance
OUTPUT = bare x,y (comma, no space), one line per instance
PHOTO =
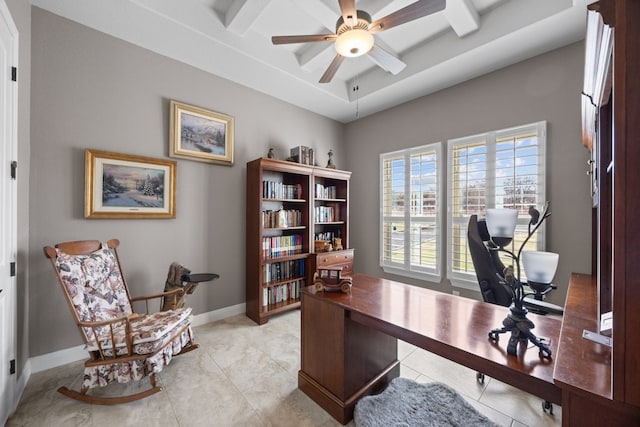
490,272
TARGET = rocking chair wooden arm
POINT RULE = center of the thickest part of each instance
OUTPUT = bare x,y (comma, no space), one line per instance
162,295
108,322
173,295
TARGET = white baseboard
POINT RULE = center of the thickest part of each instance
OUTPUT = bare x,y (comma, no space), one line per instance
73,354
57,358
23,379
214,316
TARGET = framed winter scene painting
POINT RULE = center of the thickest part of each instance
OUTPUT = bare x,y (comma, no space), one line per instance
125,186
199,134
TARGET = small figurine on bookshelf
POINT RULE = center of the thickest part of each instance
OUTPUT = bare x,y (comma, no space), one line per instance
337,244
271,154
330,164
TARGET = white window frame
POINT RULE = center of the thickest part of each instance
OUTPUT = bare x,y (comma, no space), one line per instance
469,280
406,268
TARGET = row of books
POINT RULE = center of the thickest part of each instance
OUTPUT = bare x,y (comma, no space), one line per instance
329,235
326,214
281,218
280,246
278,190
281,293
282,270
325,192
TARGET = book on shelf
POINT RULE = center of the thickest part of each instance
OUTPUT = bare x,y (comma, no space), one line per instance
302,154
327,236
281,246
282,218
282,293
282,270
278,190
325,192
326,214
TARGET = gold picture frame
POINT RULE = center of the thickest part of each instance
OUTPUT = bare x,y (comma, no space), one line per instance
200,134
125,186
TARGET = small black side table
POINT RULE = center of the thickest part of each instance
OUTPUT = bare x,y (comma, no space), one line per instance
192,281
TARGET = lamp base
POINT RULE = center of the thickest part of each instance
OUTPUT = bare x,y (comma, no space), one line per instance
520,327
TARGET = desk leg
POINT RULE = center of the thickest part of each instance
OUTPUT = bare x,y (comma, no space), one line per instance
342,360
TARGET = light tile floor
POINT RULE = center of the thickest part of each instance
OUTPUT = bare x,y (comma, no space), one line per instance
246,375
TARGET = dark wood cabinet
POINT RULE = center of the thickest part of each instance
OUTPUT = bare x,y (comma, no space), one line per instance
600,384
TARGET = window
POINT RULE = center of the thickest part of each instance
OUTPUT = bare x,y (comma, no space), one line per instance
503,168
498,169
410,212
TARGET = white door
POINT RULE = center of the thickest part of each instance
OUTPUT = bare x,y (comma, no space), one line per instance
8,152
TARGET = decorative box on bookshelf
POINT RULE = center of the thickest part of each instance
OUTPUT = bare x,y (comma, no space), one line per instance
334,259
288,206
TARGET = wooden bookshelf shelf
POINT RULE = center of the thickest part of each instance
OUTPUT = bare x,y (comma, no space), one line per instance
284,200
301,227
329,200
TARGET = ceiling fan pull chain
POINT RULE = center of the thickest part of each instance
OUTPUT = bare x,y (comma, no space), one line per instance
356,89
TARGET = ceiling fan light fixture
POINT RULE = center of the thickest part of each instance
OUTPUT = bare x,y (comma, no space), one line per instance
354,42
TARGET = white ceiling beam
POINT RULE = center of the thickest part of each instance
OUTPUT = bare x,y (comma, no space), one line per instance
242,14
320,12
316,55
462,16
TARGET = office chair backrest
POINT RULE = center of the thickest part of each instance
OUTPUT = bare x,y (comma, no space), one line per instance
489,268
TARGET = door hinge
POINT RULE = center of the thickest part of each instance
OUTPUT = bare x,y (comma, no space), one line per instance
12,367
12,269
14,166
14,74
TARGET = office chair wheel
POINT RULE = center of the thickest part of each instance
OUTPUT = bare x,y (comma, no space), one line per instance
547,407
480,377
494,336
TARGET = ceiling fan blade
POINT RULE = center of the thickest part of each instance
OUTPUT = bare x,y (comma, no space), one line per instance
386,60
303,39
406,14
349,13
331,71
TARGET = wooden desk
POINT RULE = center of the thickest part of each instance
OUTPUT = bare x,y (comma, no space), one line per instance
583,367
349,345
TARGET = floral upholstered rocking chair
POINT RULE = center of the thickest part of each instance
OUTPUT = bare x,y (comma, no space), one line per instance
122,345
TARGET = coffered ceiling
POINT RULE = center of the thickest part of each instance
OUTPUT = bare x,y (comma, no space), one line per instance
232,39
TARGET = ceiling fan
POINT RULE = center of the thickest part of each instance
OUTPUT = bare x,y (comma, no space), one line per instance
354,34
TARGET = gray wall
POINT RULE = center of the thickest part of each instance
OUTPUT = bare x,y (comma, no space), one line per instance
543,88
94,91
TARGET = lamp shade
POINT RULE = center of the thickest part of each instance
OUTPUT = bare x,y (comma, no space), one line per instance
502,222
540,267
355,42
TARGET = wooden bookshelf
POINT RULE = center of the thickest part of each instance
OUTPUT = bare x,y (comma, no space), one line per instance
283,217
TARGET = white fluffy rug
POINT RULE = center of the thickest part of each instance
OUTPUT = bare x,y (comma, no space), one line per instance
408,403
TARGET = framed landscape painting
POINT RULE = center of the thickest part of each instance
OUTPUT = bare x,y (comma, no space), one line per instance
126,186
199,134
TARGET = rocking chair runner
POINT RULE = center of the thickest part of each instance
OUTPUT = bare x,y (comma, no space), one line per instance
122,345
